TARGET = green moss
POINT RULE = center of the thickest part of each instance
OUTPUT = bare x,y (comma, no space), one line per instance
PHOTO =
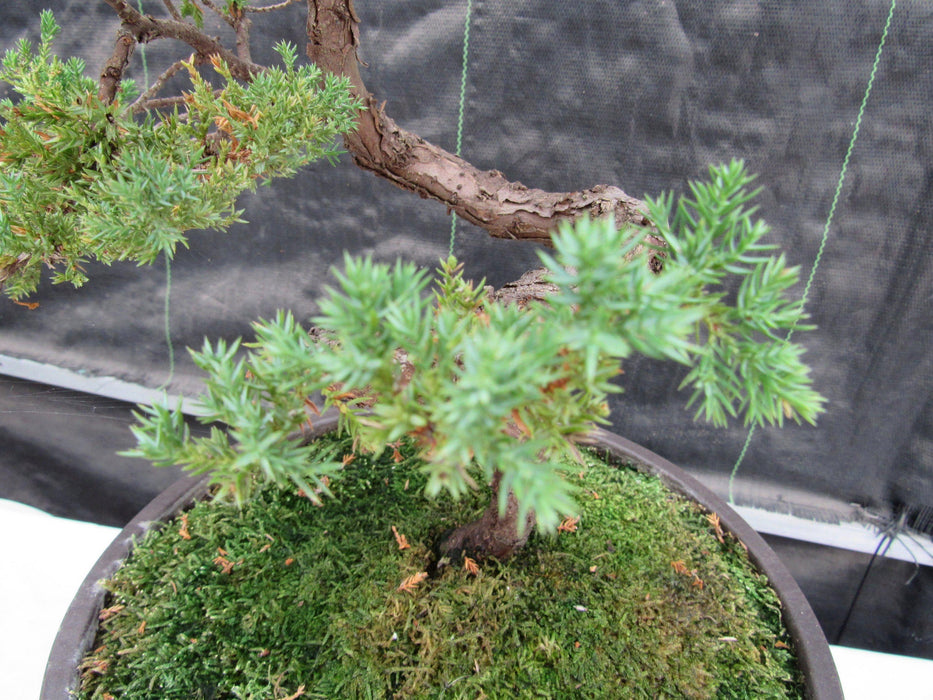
312,602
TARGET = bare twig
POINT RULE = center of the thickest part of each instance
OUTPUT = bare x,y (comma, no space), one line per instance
112,72
216,10
160,103
146,28
170,6
144,101
240,25
270,8
164,102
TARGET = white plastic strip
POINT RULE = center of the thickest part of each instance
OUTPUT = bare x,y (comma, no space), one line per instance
854,536
109,387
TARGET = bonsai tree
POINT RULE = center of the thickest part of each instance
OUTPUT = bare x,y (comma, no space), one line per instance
488,390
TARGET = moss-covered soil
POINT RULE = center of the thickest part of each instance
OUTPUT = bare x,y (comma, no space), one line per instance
283,599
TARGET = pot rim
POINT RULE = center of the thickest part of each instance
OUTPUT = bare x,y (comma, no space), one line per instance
79,625
813,654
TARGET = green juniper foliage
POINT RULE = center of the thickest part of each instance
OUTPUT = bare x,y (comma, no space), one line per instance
191,9
84,179
484,387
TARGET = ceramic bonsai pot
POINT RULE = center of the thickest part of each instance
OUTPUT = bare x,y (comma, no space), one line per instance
79,626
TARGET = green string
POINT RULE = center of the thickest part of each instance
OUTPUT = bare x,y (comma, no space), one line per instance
463,81
168,320
829,218
167,323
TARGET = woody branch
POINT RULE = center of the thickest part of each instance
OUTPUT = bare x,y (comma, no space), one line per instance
486,198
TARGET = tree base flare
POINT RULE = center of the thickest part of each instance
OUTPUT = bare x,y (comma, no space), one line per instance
491,536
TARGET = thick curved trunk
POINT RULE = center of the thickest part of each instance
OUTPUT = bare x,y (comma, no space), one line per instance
485,198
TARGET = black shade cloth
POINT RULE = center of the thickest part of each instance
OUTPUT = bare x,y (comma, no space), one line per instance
60,454
639,94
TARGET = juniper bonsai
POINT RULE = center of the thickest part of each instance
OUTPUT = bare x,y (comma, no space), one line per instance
494,395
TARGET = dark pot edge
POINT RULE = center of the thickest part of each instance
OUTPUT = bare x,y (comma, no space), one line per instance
79,625
813,654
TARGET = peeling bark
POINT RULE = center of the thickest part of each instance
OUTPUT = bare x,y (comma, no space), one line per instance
487,199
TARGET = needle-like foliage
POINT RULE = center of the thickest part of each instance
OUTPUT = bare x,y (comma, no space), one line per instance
83,179
741,364
485,388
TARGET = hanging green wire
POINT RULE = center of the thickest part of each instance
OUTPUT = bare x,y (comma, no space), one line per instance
463,81
166,311
831,215
168,320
